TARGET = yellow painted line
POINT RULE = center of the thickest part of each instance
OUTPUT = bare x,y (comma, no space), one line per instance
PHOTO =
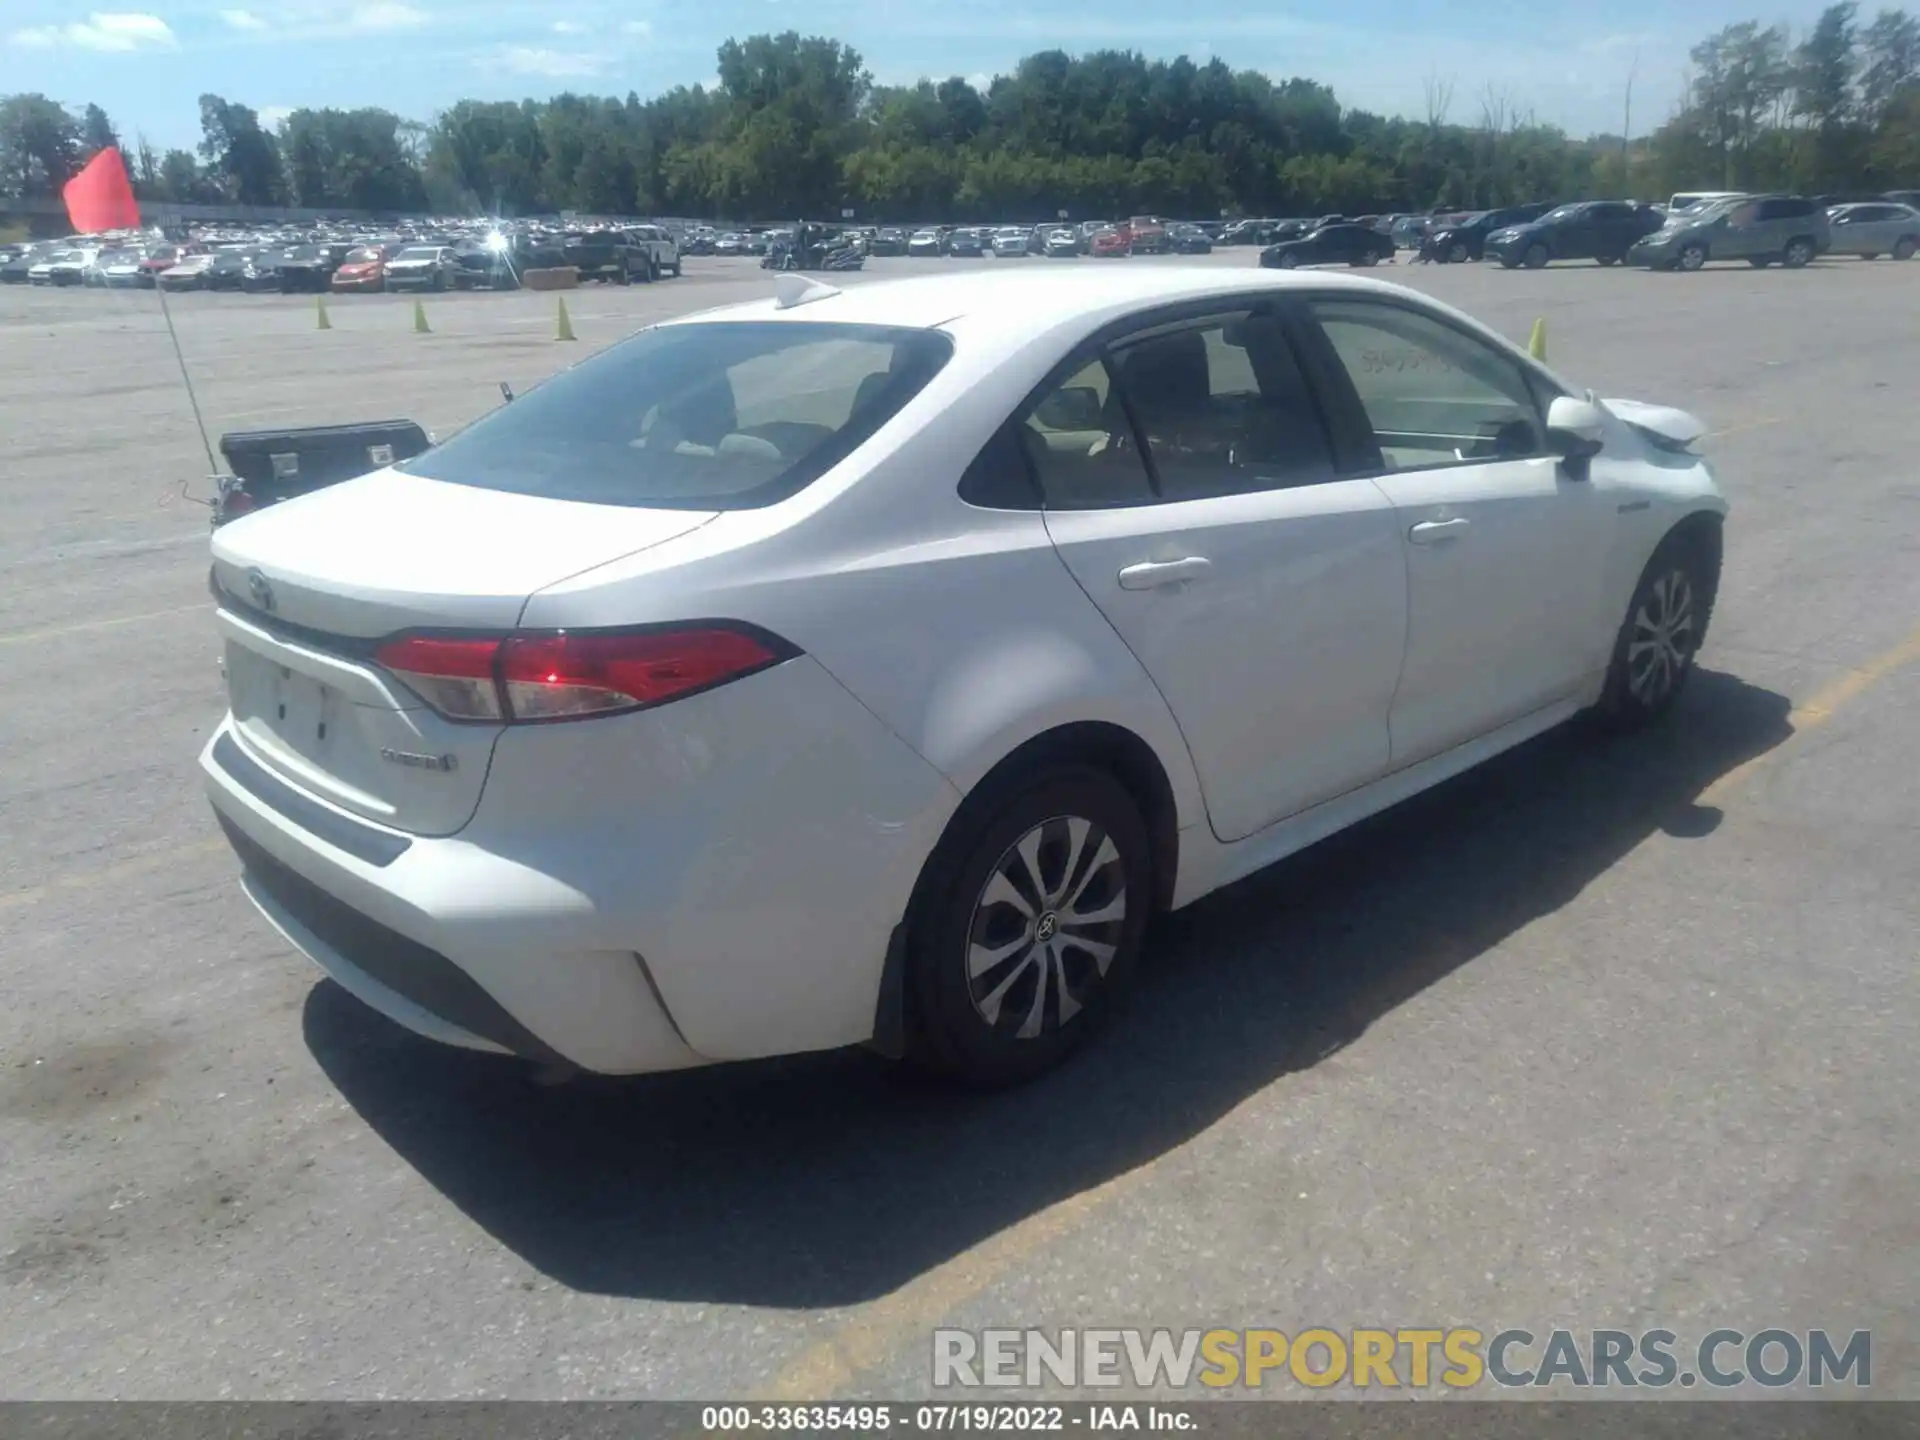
127,869
21,637
876,1331
1821,707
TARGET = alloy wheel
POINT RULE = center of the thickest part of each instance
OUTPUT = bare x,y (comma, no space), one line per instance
1662,639
1046,926
1692,258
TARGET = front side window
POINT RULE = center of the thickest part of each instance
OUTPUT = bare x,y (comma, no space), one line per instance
1432,395
715,416
1223,409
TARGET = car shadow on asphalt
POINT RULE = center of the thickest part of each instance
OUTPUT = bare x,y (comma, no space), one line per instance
828,1180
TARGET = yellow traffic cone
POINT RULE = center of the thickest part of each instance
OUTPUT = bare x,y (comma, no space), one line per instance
420,326
563,327
320,320
1537,346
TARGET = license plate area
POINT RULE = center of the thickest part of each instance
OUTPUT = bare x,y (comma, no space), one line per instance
283,709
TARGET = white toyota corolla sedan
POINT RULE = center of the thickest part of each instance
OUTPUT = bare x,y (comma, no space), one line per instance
869,666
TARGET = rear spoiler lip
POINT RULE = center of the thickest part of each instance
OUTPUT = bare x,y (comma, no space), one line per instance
1677,428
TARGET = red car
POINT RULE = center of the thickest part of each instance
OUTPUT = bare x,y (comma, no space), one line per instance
165,258
364,268
1148,236
1113,242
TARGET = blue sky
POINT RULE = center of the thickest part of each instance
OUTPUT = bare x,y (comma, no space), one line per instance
1566,63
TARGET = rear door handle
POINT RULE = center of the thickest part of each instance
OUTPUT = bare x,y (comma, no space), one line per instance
1432,532
1152,574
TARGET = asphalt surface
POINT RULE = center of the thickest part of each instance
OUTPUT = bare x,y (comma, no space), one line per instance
1605,1034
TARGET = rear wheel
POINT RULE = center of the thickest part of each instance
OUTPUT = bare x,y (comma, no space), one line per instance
1507,262
1666,621
1029,926
1799,254
1759,262
1904,250
1287,261
1608,259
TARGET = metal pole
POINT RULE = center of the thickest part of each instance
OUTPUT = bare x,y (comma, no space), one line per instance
213,466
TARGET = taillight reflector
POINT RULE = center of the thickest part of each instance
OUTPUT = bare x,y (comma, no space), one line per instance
570,675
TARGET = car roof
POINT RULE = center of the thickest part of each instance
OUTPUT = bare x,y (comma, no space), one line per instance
1041,298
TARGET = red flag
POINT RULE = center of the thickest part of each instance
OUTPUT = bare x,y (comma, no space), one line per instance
100,197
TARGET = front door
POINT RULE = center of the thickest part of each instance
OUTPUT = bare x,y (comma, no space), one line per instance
1506,552
1190,488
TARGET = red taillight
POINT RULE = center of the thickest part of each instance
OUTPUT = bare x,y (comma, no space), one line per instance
571,675
237,502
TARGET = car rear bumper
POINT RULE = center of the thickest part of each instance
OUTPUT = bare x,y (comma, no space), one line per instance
715,879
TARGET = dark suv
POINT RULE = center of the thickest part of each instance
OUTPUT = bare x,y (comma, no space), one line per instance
1467,240
1758,229
1602,230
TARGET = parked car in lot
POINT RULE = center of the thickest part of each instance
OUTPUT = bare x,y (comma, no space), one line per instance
309,269
1343,244
1188,240
569,738
1061,243
651,252
1759,229
1466,238
732,243
189,274
16,270
1599,230
163,258
120,270
364,269
967,242
62,267
423,267
925,243
1011,243
1147,235
261,272
1682,200
1112,243
1873,229
888,241
227,270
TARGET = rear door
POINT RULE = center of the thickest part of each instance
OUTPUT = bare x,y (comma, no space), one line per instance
1610,228
1190,487
1505,553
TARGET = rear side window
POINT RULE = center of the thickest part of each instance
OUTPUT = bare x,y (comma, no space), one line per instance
717,416
1785,209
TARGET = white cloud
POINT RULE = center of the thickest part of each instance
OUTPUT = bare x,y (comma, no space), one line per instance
641,28
243,20
272,115
981,81
537,60
102,31
385,16
568,27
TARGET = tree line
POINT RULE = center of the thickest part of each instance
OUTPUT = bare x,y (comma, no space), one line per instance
795,125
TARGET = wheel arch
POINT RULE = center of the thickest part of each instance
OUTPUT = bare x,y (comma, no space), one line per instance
1704,533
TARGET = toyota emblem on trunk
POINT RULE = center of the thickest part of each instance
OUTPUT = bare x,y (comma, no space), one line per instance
260,588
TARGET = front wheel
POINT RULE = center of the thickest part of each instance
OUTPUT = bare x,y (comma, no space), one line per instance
1029,927
1904,250
1457,253
1799,254
1653,653
1287,262
1537,257
1692,257
1606,260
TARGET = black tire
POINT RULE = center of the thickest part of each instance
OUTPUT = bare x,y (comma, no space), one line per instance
1691,257
1759,262
1458,254
1537,257
1507,262
1287,261
1606,260
1798,254
1642,685
439,284
1871,255
676,269
1005,1025
1905,248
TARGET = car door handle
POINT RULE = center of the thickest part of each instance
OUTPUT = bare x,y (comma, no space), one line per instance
1432,532
1152,574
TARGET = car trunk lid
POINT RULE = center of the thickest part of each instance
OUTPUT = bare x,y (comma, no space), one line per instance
310,588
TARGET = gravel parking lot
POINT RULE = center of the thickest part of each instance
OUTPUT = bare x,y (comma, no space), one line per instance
1606,1034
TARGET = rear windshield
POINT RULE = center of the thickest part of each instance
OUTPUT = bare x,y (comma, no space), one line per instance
717,416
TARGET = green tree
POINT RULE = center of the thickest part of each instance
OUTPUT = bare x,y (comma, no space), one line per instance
242,160
41,145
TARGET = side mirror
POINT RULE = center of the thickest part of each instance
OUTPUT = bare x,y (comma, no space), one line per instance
1576,431
1075,408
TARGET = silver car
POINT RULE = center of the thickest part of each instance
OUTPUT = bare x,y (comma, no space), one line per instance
1871,229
